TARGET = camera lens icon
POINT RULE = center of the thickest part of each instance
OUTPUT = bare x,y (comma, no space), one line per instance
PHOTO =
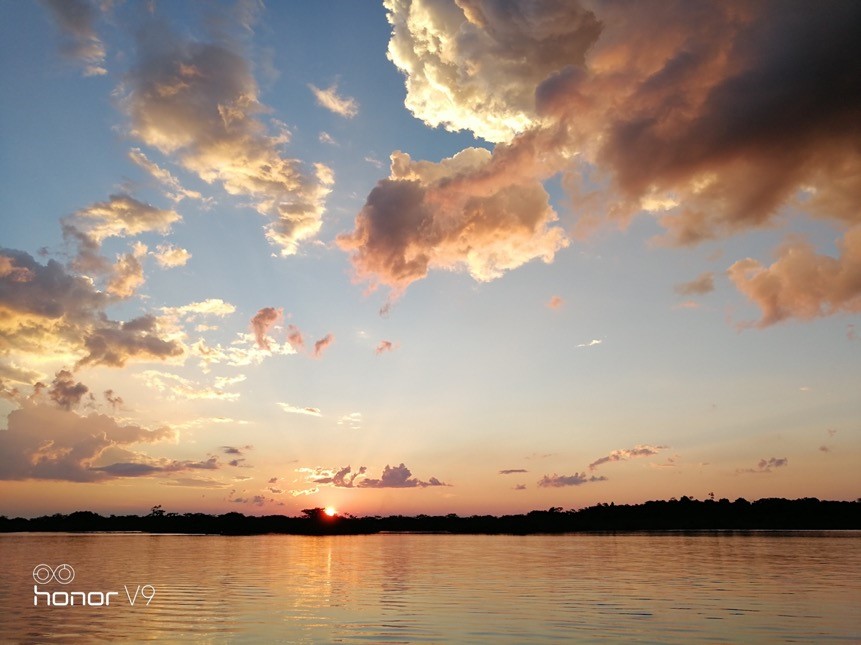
63,574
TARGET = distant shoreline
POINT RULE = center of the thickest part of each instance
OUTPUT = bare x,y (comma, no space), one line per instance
682,515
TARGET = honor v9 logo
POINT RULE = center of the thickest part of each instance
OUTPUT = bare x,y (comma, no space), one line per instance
64,574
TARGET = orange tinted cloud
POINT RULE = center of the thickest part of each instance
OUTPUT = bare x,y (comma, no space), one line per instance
384,346
714,116
555,302
56,312
471,211
197,102
801,283
262,322
322,344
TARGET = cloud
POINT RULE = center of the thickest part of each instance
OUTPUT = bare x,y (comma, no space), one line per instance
292,409
155,466
764,466
65,392
47,442
113,399
625,455
801,283
577,479
329,98
242,351
591,343
294,337
114,343
58,313
353,420
714,116
519,487
176,387
699,287
262,322
76,21
196,482
474,211
391,477
120,216
208,307
322,344
198,103
325,137
176,190
398,477
555,302
127,276
384,346
169,256
511,471
475,65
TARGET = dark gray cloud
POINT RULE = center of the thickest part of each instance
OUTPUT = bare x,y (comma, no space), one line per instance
65,392
765,466
698,287
398,477
76,20
559,481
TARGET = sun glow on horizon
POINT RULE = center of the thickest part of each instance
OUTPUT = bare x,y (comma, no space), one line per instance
330,511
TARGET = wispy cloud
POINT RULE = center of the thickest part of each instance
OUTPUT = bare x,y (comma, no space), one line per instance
626,454
765,466
292,409
262,322
176,191
329,98
383,346
353,420
322,344
698,287
80,43
176,387
577,479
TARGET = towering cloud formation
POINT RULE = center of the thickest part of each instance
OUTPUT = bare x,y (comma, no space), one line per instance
198,102
474,65
715,115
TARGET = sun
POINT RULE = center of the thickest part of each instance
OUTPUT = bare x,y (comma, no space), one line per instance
330,511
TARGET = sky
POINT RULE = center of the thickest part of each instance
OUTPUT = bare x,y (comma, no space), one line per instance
427,256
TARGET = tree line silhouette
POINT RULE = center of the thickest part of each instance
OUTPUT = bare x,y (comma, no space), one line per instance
684,514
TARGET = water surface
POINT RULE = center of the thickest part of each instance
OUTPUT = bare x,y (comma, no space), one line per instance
722,587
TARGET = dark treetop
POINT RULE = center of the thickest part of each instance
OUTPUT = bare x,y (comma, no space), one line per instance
685,514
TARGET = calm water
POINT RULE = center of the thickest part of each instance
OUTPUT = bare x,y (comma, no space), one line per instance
761,587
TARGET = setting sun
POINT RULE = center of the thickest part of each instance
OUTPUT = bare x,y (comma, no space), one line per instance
330,511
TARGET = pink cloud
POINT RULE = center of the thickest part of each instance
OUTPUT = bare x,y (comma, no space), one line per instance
322,344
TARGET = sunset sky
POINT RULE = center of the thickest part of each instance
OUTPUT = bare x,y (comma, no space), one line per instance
429,256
